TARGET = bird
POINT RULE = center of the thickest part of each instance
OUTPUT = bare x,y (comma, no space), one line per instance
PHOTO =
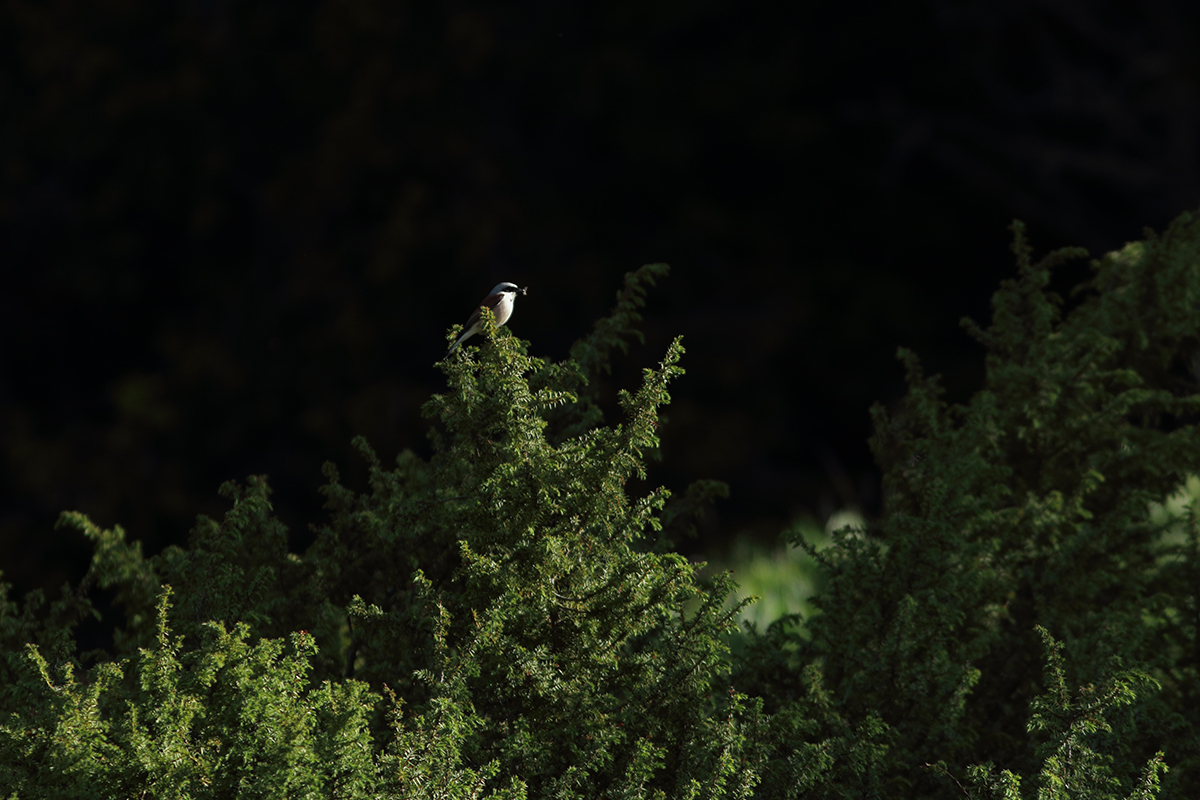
500,301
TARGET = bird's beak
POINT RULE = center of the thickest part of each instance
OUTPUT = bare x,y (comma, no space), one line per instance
524,291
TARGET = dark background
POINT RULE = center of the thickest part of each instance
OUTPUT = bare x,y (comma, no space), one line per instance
233,235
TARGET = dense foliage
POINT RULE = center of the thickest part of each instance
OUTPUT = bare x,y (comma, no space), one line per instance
1030,506
509,619
501,620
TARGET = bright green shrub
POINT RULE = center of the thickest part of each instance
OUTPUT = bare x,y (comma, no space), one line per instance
509,599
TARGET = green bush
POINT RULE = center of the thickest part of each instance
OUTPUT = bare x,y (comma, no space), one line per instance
1038,503
507,620
502,620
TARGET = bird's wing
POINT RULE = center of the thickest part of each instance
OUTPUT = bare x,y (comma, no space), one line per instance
489,302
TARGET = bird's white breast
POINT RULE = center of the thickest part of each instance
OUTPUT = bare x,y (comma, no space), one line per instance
503,309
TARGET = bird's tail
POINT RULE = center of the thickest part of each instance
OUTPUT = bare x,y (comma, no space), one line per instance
453,347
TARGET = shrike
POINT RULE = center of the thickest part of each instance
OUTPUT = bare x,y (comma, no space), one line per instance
500,301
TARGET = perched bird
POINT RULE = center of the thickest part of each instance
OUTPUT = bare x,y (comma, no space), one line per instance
500,301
